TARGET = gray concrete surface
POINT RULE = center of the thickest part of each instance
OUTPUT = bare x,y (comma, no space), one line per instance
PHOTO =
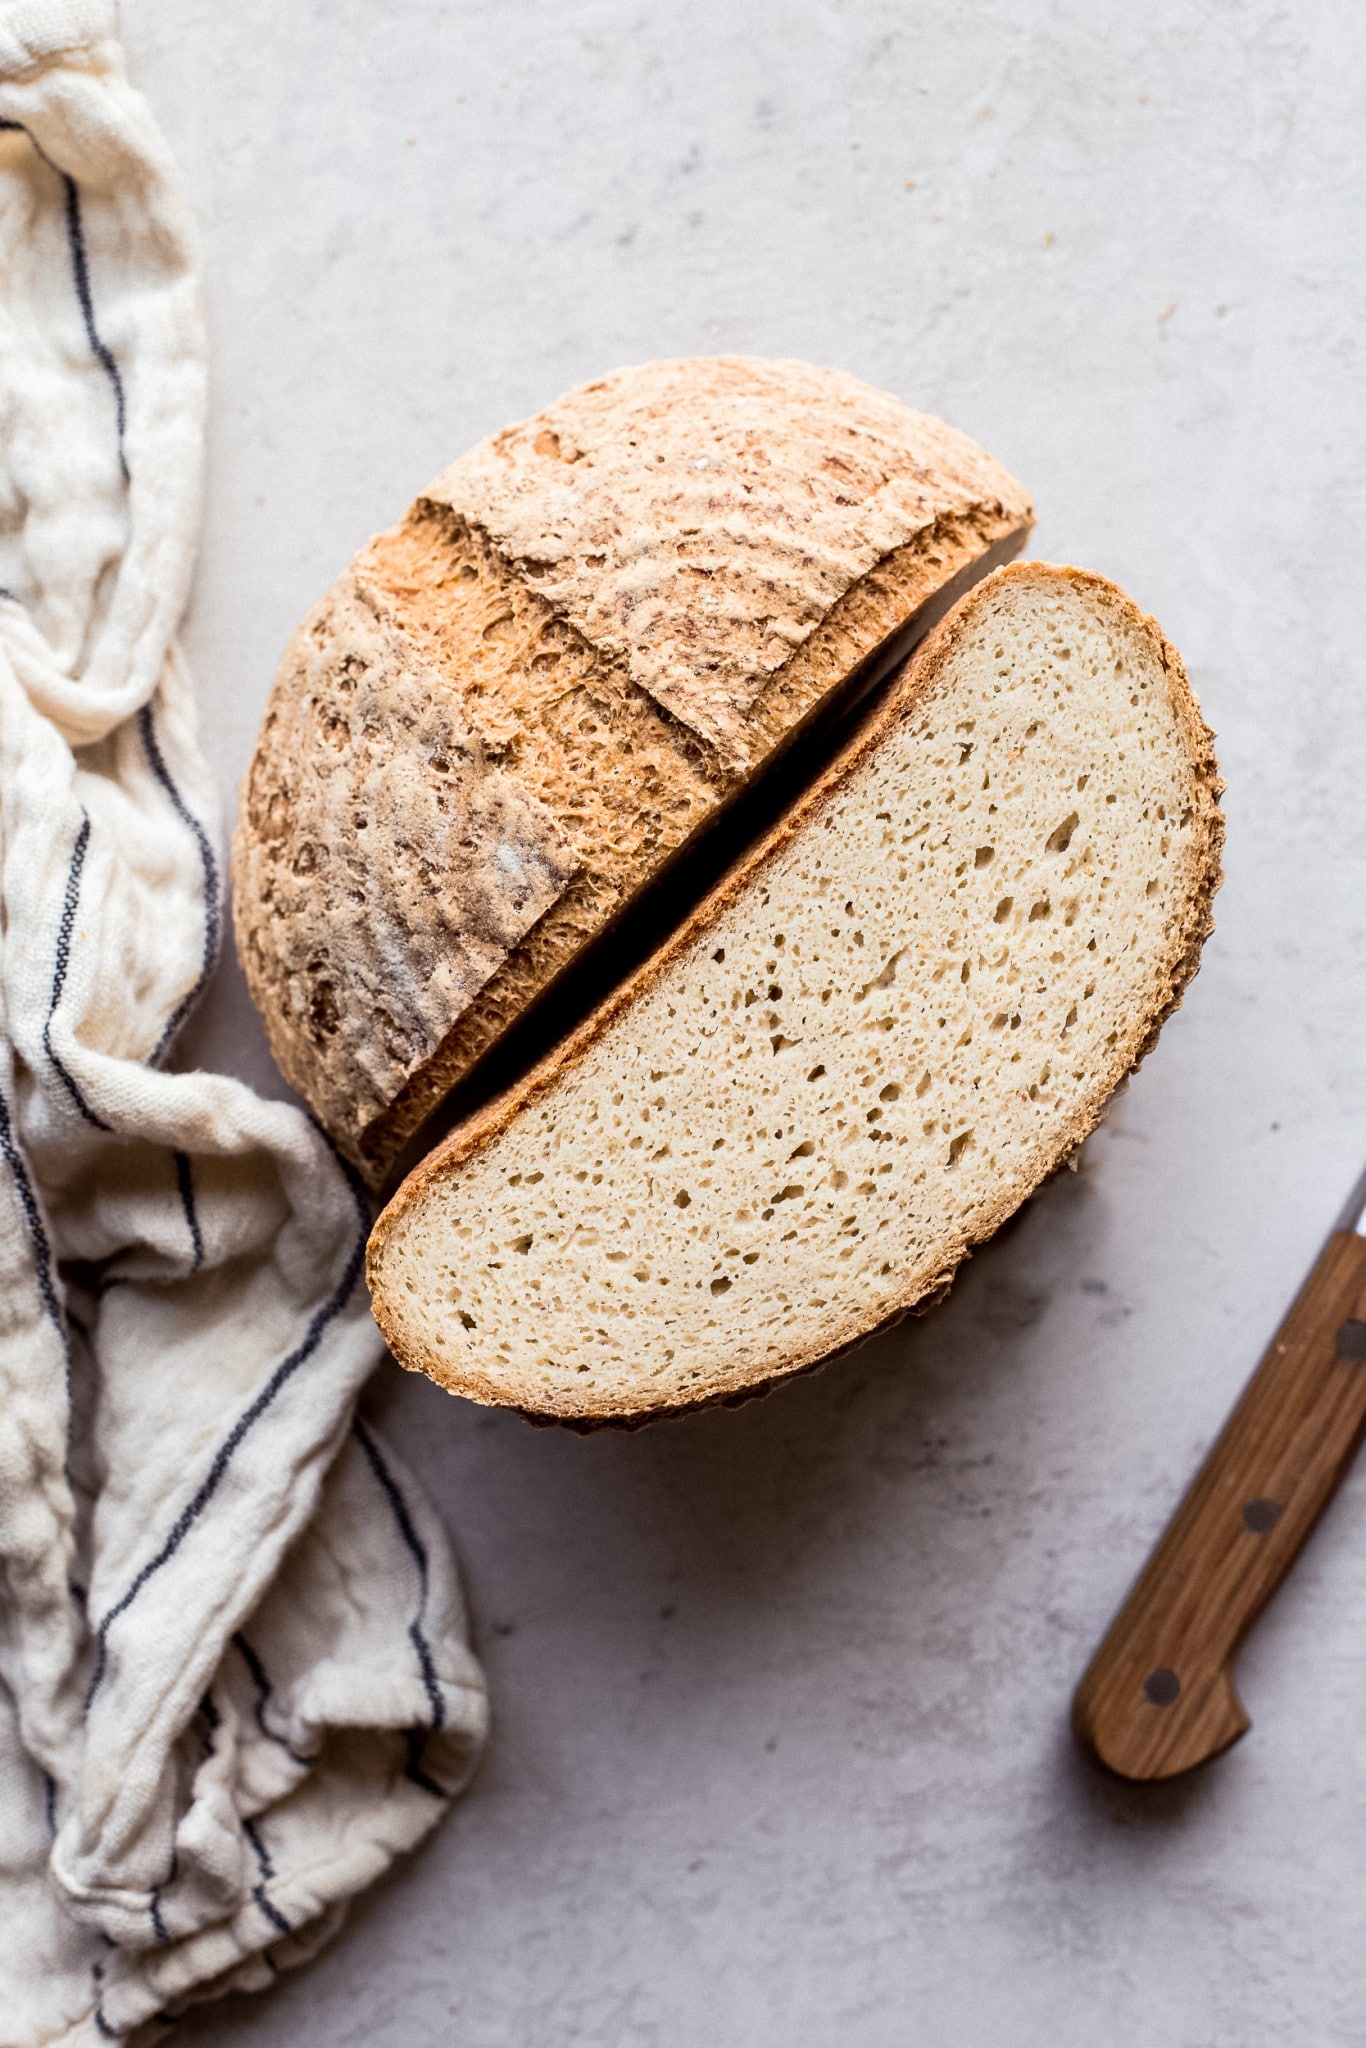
781,1751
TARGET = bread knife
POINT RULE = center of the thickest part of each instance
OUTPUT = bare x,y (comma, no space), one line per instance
1159,1696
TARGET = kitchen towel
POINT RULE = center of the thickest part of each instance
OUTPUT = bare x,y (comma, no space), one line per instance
234,1675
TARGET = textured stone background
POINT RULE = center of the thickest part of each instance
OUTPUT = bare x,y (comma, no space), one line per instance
781,1751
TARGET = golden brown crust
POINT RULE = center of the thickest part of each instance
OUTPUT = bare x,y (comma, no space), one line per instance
698,519
369,801
914,682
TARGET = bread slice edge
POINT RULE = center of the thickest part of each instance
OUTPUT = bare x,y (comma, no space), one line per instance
916,681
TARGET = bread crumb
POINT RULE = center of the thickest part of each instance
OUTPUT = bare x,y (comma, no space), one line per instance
973,958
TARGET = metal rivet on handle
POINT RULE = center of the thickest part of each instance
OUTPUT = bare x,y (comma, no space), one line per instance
1261,1516
1351,1342
1162,1688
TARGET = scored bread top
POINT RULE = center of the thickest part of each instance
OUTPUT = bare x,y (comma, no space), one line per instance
518,704
699,518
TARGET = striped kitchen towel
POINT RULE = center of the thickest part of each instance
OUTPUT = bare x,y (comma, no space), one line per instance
234,1675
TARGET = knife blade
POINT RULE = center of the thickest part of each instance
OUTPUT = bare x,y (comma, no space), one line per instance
1159,1696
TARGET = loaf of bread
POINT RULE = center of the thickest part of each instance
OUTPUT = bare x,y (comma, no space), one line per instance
518,705
901,1011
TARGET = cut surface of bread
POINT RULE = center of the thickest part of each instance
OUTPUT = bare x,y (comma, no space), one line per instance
517,706
877,1036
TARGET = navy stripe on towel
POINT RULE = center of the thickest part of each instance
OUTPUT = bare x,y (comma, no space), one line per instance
417,1636
267,1870
417,1743
70,902
213,1721
185,1183
414,1545
263,1693
80,272
42,1250
80,277
253,1835
322,1319
213,892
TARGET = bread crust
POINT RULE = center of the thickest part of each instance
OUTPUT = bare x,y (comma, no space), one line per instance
473,758
698,519
913,683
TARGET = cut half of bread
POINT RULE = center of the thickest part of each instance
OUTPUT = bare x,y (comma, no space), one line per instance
889,1023
518,706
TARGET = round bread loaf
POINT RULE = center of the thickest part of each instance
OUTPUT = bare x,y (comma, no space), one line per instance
518,705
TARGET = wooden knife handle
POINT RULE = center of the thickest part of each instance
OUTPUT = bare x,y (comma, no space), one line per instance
1159,1695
